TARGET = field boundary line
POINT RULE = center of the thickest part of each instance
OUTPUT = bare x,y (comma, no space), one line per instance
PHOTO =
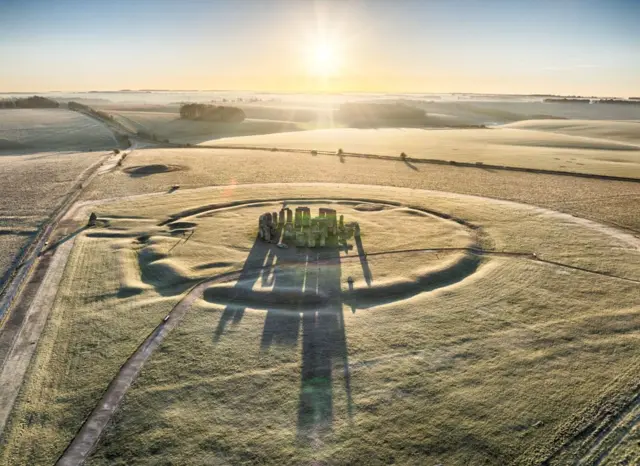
479,164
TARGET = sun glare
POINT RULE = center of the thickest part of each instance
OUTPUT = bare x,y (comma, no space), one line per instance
324,59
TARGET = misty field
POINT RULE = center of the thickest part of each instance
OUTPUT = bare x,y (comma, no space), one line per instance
47,130
620,131
168,125
497,146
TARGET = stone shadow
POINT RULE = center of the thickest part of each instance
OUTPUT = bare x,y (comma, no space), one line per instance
249,275
305,302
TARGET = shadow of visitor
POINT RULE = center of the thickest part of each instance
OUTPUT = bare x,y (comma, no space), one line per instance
63,240
366,271
410,165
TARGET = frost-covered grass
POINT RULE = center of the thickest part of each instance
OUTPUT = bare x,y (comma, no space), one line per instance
47,130
500,367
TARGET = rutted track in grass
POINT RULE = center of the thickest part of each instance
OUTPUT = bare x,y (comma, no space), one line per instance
29,255
22,309
607,441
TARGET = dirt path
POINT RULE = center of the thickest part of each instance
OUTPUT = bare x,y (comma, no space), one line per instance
27,300
86,439
23,345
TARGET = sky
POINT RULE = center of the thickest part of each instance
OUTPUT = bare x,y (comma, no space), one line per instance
571,47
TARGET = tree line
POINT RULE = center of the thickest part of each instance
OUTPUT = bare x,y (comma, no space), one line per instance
208,112
86,109
35,101
630,101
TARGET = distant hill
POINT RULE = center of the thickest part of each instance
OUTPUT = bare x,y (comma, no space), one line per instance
35,101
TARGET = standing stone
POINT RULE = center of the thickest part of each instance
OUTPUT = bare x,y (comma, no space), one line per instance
306,216
93,219
298,217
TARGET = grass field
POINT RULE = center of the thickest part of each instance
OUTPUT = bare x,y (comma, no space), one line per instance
614,202
620,131
31,187
169,125
434,353
519,345
48,130
90,332
511,147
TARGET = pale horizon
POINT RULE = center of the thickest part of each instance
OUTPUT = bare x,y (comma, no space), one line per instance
570,48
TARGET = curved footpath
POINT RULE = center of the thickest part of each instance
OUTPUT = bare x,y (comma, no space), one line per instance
87,438
23,346
84,442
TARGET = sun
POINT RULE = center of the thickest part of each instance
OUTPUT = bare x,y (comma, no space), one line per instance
324,59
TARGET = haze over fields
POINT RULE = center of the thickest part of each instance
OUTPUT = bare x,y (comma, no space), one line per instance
464,290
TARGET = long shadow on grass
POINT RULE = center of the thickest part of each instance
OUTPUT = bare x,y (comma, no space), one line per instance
233,312
63,240
306,300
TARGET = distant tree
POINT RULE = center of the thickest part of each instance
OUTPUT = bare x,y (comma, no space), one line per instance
208,112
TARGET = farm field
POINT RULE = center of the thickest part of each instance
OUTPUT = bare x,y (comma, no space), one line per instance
525,345
48,130
166,125
511,147
32,186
